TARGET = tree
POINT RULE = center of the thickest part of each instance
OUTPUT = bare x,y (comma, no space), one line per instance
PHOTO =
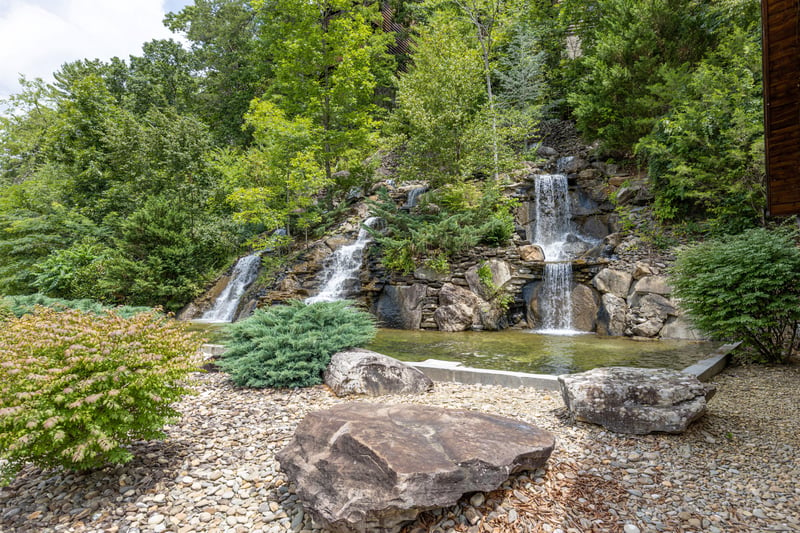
233,63
744,287
438,99
706,155
635,47
328,58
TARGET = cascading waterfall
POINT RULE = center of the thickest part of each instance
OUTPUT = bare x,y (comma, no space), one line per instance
413,196
552,228
244,273
341,270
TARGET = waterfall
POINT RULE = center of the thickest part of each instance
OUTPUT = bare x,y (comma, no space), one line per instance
342,268
413,196
552,229
226,304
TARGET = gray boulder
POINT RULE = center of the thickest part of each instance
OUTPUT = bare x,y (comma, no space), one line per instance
636,400
611,320
362,467
360,371
400,306
584,308
612,281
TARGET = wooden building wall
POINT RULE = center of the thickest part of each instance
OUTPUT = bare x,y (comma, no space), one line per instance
781,22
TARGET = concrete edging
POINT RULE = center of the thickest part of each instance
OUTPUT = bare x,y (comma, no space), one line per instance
455,372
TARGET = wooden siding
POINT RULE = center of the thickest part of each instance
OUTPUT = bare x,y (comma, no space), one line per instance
781,21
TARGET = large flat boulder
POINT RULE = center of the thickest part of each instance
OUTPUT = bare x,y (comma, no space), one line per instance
362,467
359,371
636,400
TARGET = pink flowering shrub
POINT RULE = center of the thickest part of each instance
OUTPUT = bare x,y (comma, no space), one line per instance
76,388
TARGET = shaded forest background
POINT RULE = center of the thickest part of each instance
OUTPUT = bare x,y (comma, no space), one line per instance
135,181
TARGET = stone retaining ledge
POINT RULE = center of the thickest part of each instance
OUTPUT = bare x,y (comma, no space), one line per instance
455,372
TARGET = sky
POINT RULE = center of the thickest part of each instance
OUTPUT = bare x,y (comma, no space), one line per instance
38,36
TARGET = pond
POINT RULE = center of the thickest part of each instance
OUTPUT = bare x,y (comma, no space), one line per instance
524,351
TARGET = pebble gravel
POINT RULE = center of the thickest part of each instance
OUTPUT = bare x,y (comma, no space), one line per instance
737,469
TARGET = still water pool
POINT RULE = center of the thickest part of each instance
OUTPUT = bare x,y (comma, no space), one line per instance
523,351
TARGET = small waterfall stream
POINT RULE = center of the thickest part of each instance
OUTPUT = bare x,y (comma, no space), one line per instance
342,268
244,273
551,231
413,196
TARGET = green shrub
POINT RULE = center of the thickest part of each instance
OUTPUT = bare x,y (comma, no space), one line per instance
76,388
23,305
744,287
290,346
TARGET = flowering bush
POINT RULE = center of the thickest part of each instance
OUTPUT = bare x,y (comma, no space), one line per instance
76,388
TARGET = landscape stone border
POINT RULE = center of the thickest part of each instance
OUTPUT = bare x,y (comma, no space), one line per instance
455,372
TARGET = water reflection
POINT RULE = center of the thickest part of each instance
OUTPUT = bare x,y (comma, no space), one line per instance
524,351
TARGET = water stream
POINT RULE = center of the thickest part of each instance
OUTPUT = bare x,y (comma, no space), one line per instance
551,230
244,273
340,275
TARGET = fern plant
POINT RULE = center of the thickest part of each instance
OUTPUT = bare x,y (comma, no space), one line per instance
290,346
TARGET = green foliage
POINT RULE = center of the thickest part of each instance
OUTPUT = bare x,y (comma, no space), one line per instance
635,48
163,254
438,100
76,388
706,156
744,287
25,305
447,222
290,346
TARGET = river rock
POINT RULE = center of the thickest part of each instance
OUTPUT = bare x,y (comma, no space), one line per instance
636,400
362,467
359,371
531,252
613,281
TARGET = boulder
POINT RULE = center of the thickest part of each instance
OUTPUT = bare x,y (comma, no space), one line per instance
454,317
362,467
636,400
653,284
656,306
360,371
453,294
584,308
648,328
613,281
500,272
531,252
611,317
678,327
571,165
400,306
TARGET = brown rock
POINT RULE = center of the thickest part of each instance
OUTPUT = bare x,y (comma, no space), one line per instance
531,252
370,467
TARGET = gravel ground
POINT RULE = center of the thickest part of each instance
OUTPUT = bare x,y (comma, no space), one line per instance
735,470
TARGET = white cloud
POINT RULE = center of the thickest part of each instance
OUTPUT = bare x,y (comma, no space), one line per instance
38,36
